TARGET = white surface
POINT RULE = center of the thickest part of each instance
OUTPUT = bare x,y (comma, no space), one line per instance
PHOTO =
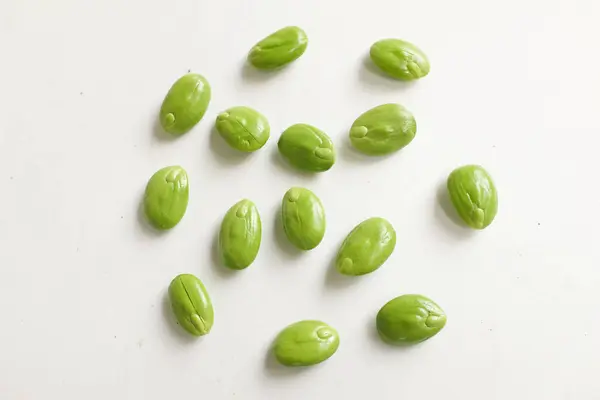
514,86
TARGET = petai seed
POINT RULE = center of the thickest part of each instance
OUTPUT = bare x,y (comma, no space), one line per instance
307,148
243,128
191,304
185,104
166,197
473,195
279,48
400,59
366,247
409,319
383,130
240,235
306,343
303,218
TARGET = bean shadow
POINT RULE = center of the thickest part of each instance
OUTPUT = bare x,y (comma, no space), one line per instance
335,279
281,239
349,153
225,154
375,337
254,75
142,221
217,262
160,134
447,216
275,369
282,165
372,333
372,76
176,331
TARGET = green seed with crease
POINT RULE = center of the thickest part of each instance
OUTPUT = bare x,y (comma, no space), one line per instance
306,343
409,319
240,235
366,247
307,148
243,128
166,197
473,195
303,218
279,48
383,130
400,59
185,104
191,304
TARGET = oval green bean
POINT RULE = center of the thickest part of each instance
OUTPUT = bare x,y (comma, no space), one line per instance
303,218
473,195
191,304
383,130
166,197
306,343
279,48
240,235
307,148
366,247
400,59
410,319
185,104
243,128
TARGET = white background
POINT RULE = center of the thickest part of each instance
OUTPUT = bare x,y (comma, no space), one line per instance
514,86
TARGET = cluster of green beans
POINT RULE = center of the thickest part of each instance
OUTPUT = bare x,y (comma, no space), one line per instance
385,129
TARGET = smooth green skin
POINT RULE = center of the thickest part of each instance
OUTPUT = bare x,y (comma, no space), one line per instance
383,130
166,197
409,319
279,48
306,343
240,235
185,104
366,247
243,128
307,148
191,304
400,59
473,195
303,218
